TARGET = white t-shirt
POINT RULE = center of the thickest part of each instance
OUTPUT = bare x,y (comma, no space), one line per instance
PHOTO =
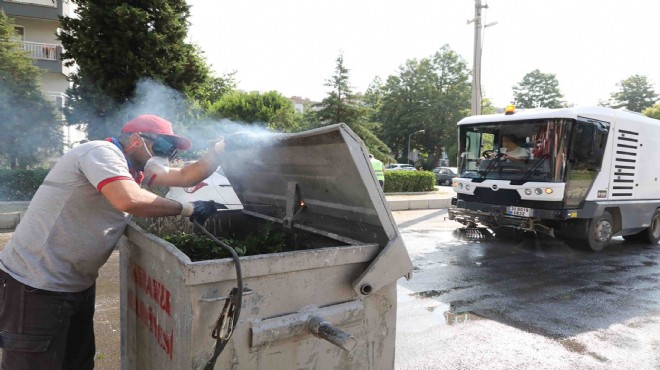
516,153
69,229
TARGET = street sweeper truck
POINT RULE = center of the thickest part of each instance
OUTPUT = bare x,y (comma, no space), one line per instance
583,174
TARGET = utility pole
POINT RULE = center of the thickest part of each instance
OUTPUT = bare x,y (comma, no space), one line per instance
476,64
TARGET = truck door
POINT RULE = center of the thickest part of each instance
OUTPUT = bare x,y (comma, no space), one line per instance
585,159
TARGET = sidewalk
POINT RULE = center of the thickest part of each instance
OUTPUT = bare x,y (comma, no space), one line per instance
11,214
440,198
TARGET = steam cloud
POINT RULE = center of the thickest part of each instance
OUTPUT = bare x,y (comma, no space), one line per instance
152,97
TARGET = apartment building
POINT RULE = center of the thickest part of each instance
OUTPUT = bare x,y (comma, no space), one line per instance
299,103
36,24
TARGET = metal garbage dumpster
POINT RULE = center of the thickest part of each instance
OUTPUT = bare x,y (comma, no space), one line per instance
319,188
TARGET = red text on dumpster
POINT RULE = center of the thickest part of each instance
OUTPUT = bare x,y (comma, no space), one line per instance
146,316
153,287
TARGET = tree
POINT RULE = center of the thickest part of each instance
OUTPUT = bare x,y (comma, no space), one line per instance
635,93
343,106
271,109
373,98
215,89
30,128
653,111
432,94
538,90
117,44
487,107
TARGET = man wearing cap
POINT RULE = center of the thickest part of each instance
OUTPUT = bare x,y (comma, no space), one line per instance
49,267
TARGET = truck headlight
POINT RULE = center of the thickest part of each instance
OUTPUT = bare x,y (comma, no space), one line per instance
528,191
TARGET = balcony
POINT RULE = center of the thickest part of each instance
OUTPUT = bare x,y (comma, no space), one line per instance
42,51
39,9
46,56
48,3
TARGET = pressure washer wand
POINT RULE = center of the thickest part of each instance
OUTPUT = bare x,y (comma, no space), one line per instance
224,329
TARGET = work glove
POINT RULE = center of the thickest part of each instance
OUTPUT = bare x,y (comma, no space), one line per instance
217,145
203,209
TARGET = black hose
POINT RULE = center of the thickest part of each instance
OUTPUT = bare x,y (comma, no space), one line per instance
220,342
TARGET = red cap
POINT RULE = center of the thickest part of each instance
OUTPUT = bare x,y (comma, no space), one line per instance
156,125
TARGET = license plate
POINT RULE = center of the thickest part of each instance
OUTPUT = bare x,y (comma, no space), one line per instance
519,211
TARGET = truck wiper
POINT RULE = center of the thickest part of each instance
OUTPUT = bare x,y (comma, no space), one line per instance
531,171
482,174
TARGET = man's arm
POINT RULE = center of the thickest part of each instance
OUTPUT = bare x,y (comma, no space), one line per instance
194,173
128,196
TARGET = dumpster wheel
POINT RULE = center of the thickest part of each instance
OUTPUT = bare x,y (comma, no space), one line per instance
226,323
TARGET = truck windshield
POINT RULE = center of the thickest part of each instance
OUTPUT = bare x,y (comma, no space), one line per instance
519,151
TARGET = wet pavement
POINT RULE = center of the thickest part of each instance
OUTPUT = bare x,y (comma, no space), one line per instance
524,303
491,304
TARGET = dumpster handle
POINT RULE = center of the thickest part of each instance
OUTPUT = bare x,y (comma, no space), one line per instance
324,330
223,330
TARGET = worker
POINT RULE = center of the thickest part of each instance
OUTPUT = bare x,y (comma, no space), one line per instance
378,169
49,267
511,151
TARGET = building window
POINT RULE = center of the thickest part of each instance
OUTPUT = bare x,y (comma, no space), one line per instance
19,33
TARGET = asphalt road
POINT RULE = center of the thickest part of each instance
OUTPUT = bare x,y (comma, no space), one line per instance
524,303
491,304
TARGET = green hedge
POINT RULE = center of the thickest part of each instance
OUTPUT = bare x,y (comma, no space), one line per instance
20,184
409,181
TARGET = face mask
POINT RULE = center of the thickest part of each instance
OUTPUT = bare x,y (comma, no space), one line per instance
155,166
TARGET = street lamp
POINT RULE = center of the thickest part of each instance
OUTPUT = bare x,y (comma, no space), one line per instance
409,136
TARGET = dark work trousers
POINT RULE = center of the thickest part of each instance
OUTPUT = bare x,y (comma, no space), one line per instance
44,330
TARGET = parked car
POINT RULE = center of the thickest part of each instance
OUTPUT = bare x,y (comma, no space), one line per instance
445,175
399,166
216,187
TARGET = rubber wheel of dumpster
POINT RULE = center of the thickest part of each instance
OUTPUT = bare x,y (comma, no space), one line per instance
599,232
651,234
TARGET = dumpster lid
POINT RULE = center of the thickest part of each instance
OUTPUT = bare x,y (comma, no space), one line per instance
318,179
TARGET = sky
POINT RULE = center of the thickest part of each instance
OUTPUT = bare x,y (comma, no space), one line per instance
292,45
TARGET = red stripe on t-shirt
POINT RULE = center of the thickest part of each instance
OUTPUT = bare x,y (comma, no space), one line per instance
151,180
111,179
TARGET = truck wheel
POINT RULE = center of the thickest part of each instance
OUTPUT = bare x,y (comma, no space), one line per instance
599,232
652,234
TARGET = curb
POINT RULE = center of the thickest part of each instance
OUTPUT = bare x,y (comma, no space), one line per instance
9,221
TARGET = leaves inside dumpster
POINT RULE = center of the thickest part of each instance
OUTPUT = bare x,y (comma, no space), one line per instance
201,247
197,247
